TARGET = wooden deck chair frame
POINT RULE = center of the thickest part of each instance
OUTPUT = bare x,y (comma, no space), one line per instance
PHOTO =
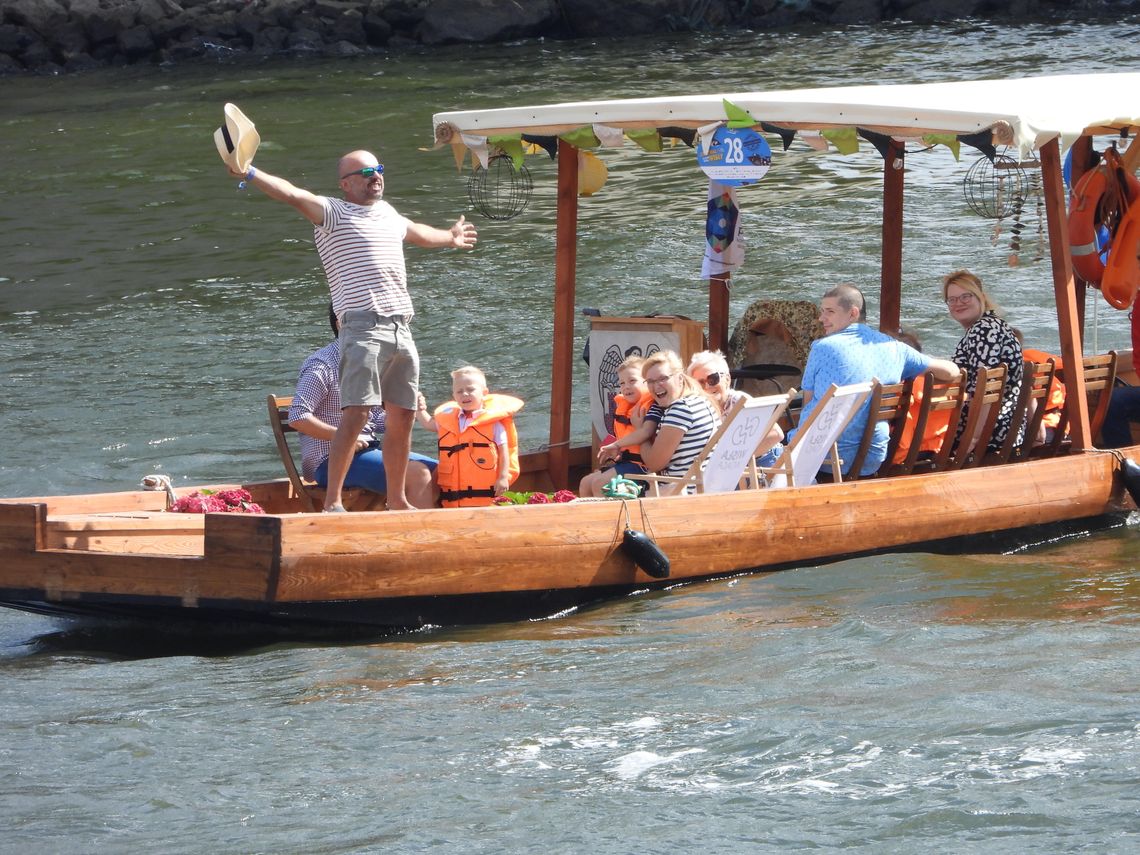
1100,376
889,403
981,419
817,437
937,396
1036,380
311,496
728,459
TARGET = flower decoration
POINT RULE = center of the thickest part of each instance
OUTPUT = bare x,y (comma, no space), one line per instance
234,501
535,498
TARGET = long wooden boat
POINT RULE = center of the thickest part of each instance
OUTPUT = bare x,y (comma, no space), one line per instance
121,555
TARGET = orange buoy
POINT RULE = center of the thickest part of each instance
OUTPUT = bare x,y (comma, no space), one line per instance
1122,270
1100,198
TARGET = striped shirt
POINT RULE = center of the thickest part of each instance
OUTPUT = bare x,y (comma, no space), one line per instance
696,417
362,250
318,392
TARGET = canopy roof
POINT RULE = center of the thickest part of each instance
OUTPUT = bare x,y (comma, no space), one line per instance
1026,112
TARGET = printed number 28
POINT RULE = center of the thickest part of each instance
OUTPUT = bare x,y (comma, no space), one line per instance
735,151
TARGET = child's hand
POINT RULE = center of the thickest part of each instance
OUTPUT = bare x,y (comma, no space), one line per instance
421,402
501,484
608,452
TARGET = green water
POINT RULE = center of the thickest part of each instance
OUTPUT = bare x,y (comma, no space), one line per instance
978,703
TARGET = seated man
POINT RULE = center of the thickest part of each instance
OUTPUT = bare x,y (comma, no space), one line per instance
315,413
852,352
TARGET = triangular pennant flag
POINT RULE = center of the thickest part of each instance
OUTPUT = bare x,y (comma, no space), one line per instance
582,137
786,135
547,144
478,146
815,141
951,142
459,152
738,117
881,142
609,137
647,138
983,141
843,139
510,145
685,135
705,132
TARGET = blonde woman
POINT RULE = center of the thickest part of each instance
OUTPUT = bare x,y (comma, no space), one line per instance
710,369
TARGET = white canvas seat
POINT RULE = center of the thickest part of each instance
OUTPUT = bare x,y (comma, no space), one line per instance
729,454
815,438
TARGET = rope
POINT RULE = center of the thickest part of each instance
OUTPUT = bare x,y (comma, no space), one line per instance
154,483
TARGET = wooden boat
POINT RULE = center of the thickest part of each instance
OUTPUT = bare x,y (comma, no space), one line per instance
122,555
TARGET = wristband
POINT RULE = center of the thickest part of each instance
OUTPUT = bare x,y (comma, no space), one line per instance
248,177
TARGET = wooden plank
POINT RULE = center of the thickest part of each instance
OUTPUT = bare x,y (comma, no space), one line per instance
22,526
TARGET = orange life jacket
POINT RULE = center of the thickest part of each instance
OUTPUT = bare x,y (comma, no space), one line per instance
469,458
1055,400
937,424
623,425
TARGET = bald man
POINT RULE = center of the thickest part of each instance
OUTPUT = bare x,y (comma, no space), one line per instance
360,240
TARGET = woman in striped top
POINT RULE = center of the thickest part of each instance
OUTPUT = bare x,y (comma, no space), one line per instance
687,416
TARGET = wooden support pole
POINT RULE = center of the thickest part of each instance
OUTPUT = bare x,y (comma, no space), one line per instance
890,279
565,278
718,311
1082,163
1064,288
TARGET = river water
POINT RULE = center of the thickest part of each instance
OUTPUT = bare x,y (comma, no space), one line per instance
984,702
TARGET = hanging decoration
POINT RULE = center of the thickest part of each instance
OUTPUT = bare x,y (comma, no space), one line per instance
500,190
592,173
991,186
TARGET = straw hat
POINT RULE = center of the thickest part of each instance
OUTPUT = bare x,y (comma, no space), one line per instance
237,140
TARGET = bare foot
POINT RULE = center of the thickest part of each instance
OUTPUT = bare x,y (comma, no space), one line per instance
334,509
395,506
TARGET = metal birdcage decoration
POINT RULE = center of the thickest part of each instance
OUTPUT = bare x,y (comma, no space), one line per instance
501,191
992,188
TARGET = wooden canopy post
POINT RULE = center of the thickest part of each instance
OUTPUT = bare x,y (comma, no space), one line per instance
1064,288
890,278
565,278
718,311
1082,162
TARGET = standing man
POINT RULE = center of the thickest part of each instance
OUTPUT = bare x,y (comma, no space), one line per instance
360,242
852,352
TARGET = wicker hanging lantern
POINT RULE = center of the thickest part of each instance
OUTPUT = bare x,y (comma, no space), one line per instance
991,188
501,191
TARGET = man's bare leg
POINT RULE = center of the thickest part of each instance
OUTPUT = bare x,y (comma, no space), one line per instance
397,445
420,485
352,421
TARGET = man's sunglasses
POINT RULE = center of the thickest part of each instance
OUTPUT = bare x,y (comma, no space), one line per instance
367,171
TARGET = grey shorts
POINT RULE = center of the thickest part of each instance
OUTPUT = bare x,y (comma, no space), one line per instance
379,363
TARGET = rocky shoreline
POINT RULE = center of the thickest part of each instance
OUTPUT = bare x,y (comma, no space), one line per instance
66,36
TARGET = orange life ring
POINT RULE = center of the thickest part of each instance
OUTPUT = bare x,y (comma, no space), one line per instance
1122,271
1086,214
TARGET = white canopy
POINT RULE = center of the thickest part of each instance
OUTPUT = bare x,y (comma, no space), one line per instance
1026,112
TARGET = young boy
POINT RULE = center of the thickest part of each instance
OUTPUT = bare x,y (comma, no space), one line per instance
633,397
478,444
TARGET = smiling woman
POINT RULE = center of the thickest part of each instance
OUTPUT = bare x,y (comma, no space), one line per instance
687,417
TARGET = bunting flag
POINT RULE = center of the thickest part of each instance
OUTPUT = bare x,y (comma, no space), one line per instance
843,139
951,142
724,244
881,142
705,132
478,146
738,117
459,152
983,141
510,145
814,141
582,137
547,144
647,138
685,135
786,135
609,137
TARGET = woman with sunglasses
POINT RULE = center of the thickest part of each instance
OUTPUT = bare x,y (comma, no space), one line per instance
989,341
710,369
686,416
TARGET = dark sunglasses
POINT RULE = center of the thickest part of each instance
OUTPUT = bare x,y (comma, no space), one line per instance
712,380
366,172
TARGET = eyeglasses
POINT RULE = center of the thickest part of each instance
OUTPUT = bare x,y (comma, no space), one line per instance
658,381
712,379
961,298
366,172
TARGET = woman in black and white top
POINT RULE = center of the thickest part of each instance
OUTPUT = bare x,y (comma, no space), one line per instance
687,416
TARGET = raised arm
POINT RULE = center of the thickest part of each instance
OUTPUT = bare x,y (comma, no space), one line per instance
944,369
309,204
461,235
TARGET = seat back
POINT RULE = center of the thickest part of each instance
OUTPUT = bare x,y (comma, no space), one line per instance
1036,384
1100,376
942,404
816,436
984,407
730,452
279,421
889,403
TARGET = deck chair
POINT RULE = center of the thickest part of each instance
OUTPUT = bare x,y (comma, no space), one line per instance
1100,375
889,403
940,400
981,418
815,438
1036,382
729,457
312,497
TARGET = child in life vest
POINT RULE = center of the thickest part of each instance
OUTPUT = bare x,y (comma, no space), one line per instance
478,443
632,400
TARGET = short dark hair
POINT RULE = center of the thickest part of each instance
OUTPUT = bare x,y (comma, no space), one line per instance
849,297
